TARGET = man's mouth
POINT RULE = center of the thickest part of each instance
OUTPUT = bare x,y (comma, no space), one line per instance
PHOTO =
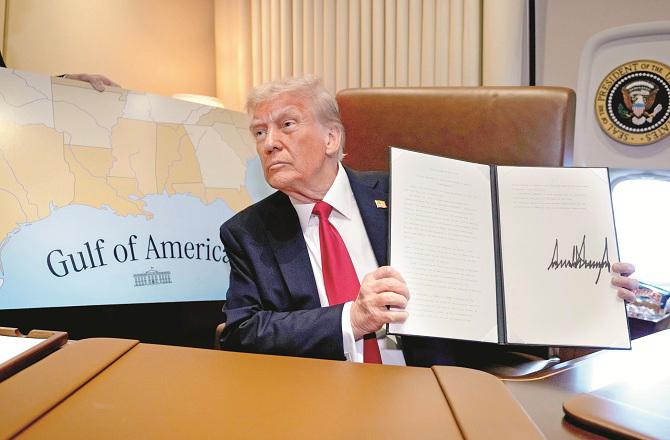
276,165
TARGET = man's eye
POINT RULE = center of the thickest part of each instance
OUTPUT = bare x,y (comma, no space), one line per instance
259,133
289,123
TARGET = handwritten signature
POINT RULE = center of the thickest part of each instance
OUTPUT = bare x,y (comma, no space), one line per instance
579,261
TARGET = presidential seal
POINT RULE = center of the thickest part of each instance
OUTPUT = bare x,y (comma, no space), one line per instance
632,103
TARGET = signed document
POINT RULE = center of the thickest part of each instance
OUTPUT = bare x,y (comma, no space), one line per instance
509,255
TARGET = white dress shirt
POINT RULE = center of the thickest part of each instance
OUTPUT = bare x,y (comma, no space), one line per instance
346,218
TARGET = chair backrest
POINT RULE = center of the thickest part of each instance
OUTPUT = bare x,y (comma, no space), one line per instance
492,125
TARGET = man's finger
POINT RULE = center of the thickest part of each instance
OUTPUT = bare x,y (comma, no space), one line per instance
626,294
392,299
388,272
369,278
624,269
393,316
98,84
108,82
391,285
625,282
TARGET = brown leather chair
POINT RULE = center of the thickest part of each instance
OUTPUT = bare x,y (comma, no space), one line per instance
491,125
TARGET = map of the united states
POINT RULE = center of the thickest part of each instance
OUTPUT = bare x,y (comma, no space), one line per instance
64,144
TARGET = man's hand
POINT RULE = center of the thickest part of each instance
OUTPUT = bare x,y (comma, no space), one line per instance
97,81
383,287
620,280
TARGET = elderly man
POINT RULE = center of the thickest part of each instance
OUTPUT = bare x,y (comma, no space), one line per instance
308,275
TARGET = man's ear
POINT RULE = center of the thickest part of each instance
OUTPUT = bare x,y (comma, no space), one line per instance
333,141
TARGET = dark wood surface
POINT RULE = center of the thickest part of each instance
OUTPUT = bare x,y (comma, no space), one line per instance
640,328
543,397
50,342
189,324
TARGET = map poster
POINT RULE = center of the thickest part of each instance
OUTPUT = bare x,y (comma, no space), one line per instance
116,197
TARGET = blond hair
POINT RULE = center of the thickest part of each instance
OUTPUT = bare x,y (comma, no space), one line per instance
308,88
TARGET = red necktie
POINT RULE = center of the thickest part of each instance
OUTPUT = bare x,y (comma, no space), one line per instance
339,275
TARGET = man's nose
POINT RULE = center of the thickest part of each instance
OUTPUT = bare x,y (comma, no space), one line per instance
271,141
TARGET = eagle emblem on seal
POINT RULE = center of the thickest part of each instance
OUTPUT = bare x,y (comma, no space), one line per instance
638,99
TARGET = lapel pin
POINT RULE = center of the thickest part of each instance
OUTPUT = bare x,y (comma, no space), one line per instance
380,204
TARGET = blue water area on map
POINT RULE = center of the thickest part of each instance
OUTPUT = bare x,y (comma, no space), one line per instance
255,182
27,281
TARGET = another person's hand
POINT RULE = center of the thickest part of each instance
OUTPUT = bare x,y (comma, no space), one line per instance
97,81
621,280
379,289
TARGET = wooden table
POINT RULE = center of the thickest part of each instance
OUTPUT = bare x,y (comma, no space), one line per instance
543,397
117,388
640,327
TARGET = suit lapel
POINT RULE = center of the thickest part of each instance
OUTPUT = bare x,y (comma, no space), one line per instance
368,189
289,247
290,250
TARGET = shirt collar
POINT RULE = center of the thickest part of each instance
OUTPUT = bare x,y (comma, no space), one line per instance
339,196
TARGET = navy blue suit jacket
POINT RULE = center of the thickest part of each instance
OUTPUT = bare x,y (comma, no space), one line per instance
273,305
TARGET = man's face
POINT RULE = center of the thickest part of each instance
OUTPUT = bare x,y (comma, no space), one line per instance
299,155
